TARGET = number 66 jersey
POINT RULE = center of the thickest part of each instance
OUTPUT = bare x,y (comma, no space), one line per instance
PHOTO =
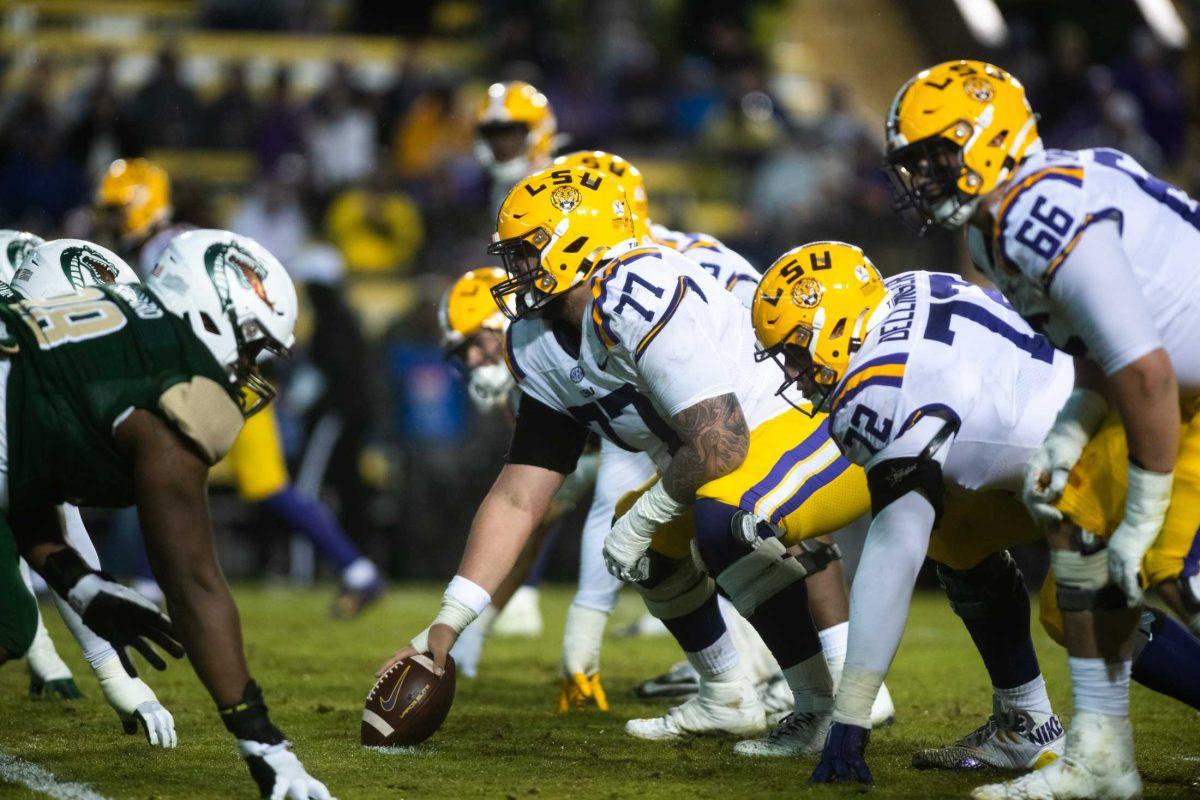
950,362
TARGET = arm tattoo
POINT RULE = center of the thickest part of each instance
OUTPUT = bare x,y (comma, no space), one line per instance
715,442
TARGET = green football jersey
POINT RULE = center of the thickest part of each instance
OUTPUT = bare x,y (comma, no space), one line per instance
80,364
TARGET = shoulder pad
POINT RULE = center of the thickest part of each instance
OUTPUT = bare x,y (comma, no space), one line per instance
1038,217
636,295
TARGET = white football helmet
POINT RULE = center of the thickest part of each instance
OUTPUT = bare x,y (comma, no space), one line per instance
238,300
64,266
14,246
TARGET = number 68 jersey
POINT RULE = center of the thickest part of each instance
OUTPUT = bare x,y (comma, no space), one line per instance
950,357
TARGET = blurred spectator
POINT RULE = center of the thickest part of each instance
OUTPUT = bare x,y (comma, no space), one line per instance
272,215
1152,81
40,181
375,229
281,123
431,134
1121,128
102,131
165,108
341,135
232,116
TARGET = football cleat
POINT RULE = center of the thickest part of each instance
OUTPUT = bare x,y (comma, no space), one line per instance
580,691
351,602
1010,739
777,698
521,616
681,680
726,707
798,734
1097,764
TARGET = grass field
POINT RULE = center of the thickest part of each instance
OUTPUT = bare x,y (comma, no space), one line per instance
503,739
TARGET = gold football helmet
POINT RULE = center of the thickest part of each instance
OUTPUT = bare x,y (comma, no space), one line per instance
813,308
516,130
136,194
553,230
624,171
954,133
468,307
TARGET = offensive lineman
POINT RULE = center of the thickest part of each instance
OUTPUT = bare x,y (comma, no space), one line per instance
1063,234
127,394
620,337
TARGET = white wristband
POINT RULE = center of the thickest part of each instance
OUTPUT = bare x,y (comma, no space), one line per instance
469,593
1081,415
855,695
1147,500
463,601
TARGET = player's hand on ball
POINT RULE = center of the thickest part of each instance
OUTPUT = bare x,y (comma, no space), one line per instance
844,757
435,640
580,691
278,773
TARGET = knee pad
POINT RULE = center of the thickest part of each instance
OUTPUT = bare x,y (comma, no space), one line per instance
1082,581
990,585
759,575
675,587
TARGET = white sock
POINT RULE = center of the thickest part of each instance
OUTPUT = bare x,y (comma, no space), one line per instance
1029,696
716,662
1100,686
360,574
833,643
811,684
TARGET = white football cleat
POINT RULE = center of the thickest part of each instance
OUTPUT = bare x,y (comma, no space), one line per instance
1010,739
883,710
724,707
681,680
1097,765
522,615
799,734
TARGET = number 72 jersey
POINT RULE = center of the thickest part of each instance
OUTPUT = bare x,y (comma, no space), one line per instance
950,353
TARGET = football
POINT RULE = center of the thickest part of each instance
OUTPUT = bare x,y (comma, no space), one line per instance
407,704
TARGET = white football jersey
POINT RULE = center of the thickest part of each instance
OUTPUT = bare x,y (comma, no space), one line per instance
1052,200
951,352
726,266
660,334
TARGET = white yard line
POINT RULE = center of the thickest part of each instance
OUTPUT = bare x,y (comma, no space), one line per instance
40,779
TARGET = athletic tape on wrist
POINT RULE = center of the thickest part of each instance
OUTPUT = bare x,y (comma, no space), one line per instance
856,695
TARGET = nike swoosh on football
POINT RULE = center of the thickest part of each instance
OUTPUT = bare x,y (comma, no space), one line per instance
390,702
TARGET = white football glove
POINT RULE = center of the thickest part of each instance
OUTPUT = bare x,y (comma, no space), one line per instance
626,544
1047,471
279,774
1146,502
582,637
135,702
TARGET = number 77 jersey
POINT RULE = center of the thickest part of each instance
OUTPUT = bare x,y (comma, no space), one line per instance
950,358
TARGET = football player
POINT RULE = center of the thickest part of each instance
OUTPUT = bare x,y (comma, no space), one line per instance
516,133
827,592
644,347
133,211
1097,254
128,394
48,270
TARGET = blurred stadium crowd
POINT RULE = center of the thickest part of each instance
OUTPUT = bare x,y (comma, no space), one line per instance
351,157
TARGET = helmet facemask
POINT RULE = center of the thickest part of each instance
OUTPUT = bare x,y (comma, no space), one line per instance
806,384
532,286
254,391
925,177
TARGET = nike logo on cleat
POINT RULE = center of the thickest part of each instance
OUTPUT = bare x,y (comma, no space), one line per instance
1047,732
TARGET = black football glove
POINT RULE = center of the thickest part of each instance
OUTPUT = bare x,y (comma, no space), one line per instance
114,612
844,757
